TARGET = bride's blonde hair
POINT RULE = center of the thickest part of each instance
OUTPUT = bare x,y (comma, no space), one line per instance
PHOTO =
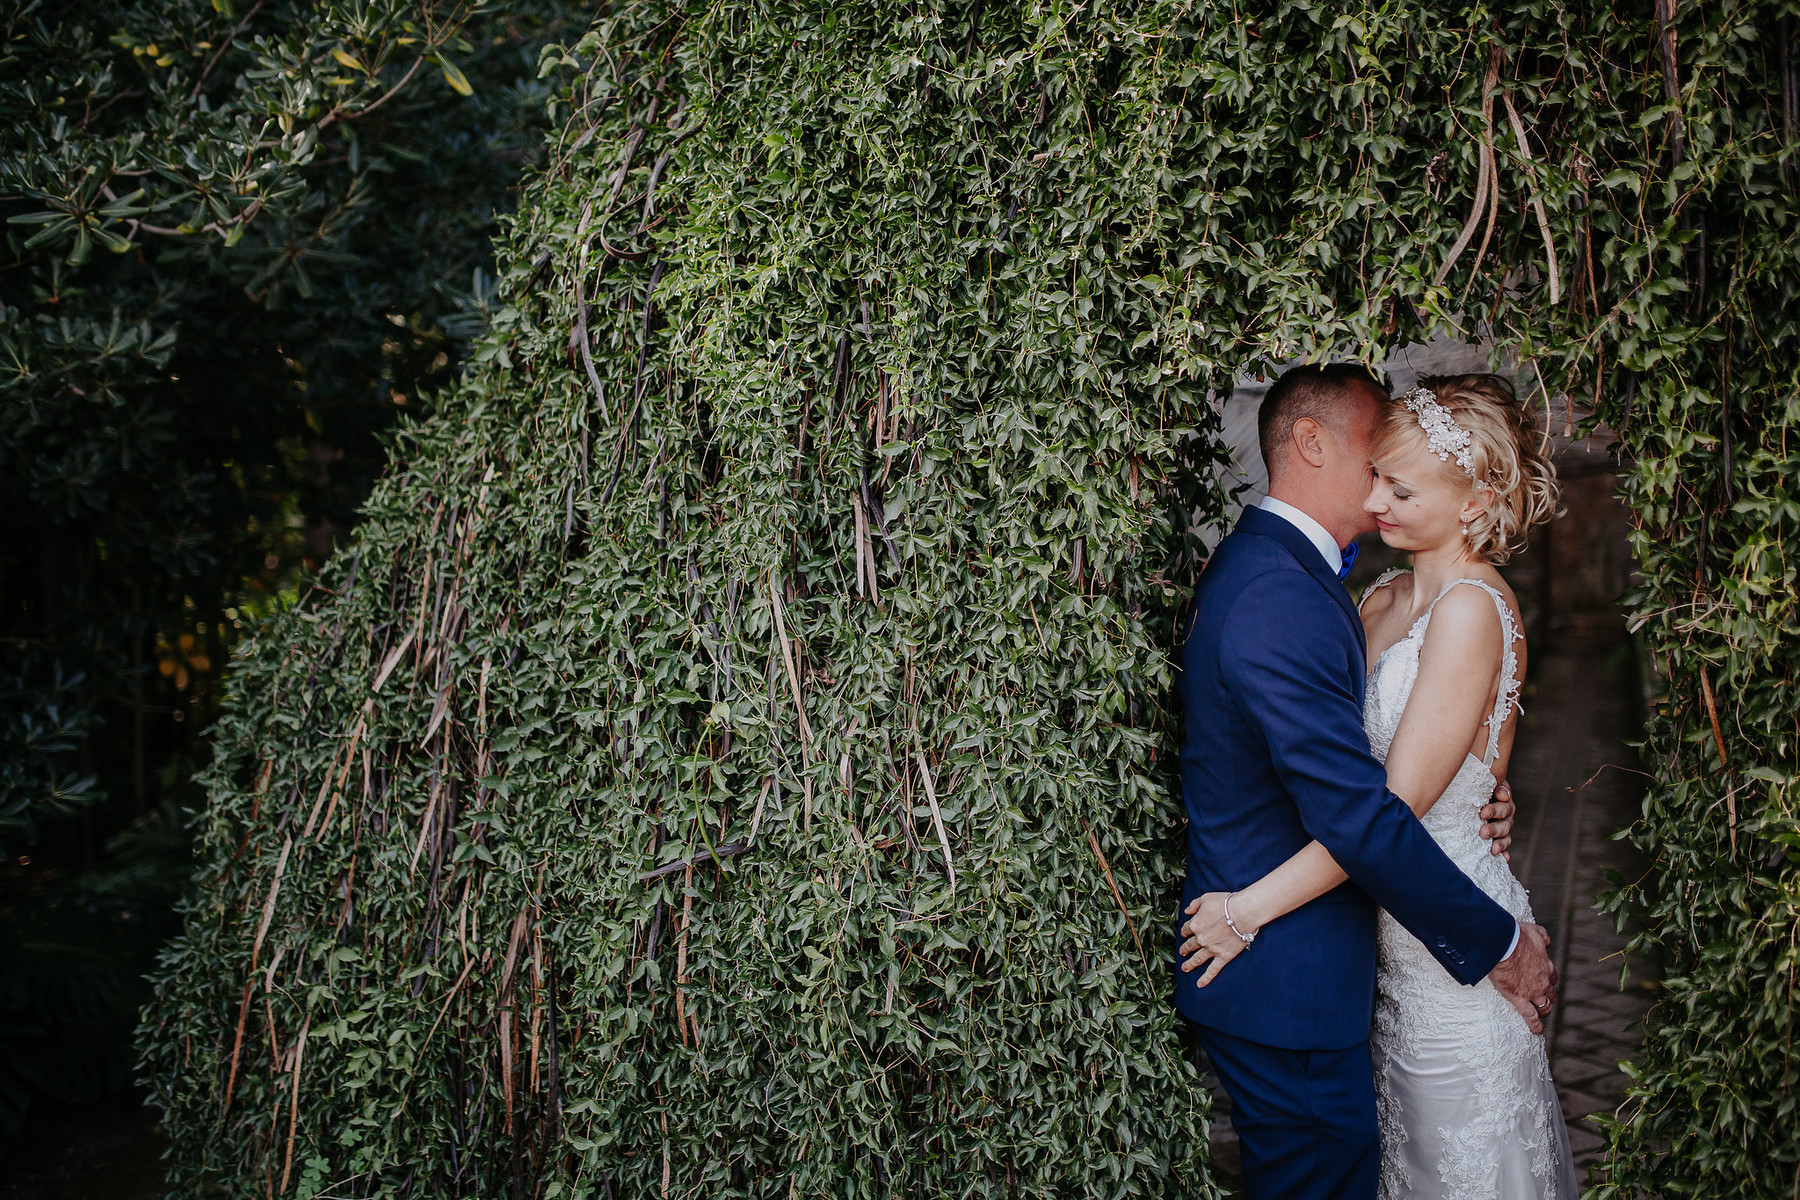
1509,471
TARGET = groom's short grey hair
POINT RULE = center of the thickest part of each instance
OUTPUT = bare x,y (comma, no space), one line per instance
1319,392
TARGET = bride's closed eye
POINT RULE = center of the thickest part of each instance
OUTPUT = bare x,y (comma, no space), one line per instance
1397,489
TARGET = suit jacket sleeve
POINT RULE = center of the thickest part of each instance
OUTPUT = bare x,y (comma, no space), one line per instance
1286,656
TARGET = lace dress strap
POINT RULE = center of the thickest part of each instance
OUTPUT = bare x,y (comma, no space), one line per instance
1382,580
1507,698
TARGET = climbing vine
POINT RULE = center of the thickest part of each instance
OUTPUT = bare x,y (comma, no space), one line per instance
735,756
1687,332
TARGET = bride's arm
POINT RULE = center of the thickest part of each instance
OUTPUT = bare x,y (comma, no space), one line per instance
1459,667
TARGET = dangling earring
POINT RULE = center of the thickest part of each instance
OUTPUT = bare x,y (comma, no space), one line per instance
1465,529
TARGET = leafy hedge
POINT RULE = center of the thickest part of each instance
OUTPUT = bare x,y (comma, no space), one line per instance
207,324
734,759
1691,340
206,329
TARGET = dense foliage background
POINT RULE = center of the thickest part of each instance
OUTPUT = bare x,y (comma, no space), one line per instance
1686,327
209,315
733,757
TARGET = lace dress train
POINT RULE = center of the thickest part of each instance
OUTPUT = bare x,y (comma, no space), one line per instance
1463,1089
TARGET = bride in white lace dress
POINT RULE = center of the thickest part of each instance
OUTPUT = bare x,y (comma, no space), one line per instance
1463,1090
1462,1087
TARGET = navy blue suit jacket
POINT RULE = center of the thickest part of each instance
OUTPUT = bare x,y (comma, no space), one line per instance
1271,674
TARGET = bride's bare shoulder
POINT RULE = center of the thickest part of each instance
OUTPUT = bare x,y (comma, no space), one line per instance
1508,597
1515,624
1466,624
1497,581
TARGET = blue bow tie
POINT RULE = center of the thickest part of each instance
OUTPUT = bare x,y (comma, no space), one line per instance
1349,552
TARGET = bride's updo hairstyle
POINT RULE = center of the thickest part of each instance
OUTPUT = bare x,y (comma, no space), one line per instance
1506,461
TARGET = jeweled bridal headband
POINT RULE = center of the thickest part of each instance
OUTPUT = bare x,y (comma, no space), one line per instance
1443,436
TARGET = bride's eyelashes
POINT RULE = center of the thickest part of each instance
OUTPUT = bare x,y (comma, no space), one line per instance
1396,489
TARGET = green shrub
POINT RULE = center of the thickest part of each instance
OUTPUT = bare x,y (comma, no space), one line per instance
207,326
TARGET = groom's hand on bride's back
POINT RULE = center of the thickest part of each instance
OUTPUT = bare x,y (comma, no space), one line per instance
1497,820
1528,978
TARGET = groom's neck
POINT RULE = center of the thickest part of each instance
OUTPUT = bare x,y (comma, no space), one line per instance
1302,492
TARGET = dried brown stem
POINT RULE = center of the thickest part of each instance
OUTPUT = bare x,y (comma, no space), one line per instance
287,1161
793,672
1537,199
1484,180
1118,897
728,850
1712,712
937,817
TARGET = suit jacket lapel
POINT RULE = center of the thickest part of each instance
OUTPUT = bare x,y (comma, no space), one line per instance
1267,524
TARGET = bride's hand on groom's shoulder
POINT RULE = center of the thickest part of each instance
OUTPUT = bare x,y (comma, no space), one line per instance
1207,939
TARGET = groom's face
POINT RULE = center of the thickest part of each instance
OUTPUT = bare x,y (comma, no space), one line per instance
1348,468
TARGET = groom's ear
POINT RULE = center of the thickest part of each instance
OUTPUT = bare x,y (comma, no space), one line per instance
1307,439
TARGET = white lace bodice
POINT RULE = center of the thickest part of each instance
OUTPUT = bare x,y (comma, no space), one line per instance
1463,1089
1390,684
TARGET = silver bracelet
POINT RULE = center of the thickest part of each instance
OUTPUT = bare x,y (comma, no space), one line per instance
1243,937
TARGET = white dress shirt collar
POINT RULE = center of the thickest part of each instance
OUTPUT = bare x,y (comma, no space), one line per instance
1315,532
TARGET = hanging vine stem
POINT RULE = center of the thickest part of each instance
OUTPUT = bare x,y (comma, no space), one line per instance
1487,188
793,673
937,815
637,385
1712,713
579,335
1537,199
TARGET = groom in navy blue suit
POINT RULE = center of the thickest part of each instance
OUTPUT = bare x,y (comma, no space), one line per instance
1274,757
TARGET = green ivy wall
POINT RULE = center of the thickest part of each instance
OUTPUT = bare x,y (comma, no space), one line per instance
734,758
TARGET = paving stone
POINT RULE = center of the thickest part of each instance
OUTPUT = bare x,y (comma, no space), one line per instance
1577,1072
1586,1144
1574,1040
1578,1104
1623,1004
1578,989
1614,1028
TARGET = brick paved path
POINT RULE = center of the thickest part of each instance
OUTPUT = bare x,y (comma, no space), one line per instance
1581,707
